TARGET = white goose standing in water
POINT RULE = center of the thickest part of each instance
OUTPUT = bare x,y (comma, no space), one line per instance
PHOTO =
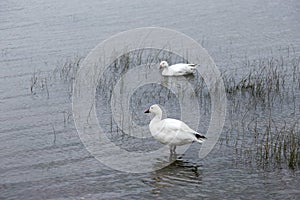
179,69
172,132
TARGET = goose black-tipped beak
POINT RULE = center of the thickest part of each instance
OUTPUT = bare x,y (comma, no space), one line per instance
147,111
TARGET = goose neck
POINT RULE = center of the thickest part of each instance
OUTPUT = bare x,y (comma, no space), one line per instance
157,116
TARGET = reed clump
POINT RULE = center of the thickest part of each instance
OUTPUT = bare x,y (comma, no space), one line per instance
39,83
277,146
264,105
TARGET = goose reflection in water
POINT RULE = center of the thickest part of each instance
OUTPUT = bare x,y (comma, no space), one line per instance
180,172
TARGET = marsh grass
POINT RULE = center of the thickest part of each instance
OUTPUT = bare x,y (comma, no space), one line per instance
275,146
67,72
39,83
262,105
264,112
262,124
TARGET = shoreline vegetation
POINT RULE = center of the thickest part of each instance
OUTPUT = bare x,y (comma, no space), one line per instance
263,110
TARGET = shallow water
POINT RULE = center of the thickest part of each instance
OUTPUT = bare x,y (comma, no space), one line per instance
41,155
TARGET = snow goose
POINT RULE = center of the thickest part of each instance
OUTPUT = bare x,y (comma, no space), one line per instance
179,69
172,132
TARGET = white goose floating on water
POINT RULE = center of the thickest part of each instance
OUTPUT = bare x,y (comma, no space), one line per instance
179,69
172,132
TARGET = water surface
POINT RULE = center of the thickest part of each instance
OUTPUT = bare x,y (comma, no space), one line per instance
41,155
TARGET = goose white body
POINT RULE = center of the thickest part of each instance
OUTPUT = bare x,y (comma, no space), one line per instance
172,132
179,69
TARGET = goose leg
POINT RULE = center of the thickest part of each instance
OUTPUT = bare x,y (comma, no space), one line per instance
171,152
172,149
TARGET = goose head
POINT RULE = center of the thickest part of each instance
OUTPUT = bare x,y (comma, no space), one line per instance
155,109
163,64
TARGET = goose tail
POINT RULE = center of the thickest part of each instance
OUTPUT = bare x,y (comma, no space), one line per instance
200,138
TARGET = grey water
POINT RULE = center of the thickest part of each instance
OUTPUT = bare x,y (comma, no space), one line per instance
41,154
